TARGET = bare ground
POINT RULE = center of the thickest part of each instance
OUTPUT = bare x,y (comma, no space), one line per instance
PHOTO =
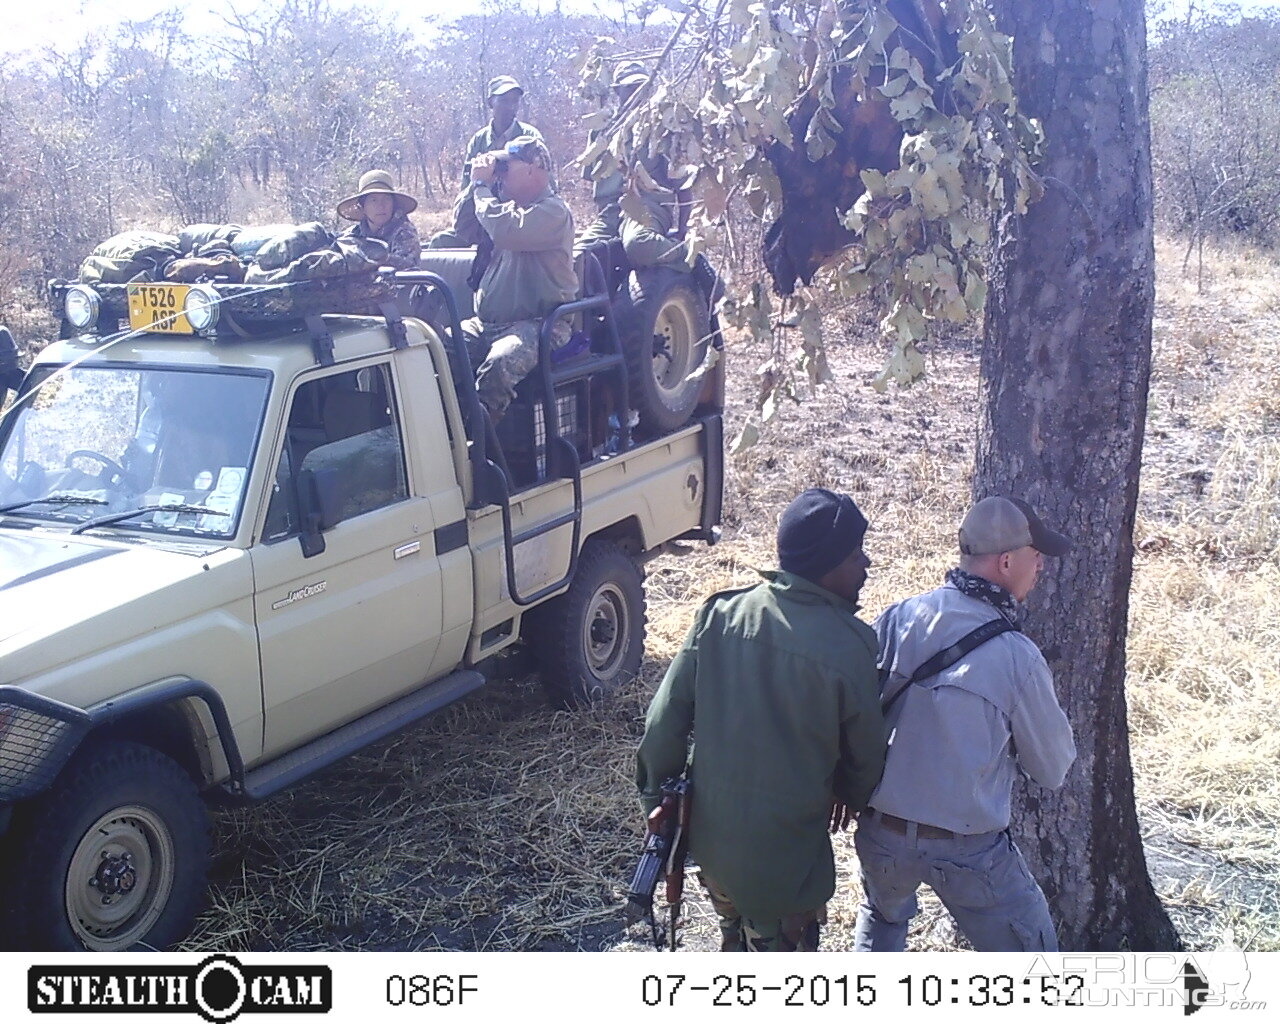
501,824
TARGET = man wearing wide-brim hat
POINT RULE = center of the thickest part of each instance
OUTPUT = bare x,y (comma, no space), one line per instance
970,703
382,212
502,96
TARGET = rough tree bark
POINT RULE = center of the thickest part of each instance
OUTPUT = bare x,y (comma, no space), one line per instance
1065,367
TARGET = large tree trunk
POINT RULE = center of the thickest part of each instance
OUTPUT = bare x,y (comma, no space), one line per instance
1065,366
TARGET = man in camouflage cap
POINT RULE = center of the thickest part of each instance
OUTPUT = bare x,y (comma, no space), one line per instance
502,95
607,189
531,272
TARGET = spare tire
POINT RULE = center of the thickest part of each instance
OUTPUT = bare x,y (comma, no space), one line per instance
665,336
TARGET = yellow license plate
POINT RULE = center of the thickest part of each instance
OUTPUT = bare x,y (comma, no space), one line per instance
158,307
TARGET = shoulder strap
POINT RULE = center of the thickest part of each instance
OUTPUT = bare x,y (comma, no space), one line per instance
948,656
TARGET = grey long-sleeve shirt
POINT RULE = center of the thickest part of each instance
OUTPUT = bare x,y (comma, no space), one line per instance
958,738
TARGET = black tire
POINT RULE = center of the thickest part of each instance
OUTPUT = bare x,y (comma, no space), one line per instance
137,817
666,331
589,641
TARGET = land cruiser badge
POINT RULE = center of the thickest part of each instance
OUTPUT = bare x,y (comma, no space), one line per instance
301,594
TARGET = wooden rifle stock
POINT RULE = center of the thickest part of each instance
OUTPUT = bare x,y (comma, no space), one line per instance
679,850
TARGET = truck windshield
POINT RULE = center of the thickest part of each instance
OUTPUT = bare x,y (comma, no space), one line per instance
97,440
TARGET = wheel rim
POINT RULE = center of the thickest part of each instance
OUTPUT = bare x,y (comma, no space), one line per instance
605,631
119,878
674,338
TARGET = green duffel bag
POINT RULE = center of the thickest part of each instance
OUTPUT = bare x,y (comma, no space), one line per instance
249,240
196,239
291,244
129,256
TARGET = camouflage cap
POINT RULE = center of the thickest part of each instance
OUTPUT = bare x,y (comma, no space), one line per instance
996,525
530,149
500,85
630,72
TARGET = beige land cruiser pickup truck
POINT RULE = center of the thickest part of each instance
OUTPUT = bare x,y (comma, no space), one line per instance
241,543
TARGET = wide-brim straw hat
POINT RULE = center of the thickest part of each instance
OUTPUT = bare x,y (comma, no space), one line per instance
375,183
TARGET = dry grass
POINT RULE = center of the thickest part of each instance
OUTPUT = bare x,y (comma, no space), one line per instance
502,825
1204,649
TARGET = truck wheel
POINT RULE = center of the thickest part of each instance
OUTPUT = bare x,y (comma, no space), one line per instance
113,857
667,330
590,640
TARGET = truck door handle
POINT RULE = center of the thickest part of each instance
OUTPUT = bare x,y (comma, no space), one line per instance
412,548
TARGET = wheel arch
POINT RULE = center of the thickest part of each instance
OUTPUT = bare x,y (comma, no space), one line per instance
628,534
173,728
184,719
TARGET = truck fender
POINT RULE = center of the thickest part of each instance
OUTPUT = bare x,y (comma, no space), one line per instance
175,704
162,714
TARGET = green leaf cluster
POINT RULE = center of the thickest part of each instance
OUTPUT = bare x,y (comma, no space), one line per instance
722,93
966,154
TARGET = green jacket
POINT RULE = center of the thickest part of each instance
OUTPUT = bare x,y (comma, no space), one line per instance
532,269
777,685
486,140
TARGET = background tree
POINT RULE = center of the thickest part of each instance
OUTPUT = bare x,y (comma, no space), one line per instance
1066,358
1065,366
1215,113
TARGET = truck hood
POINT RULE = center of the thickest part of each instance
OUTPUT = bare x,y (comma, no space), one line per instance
51,584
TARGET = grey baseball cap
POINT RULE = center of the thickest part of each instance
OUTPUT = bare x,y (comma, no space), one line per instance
997,524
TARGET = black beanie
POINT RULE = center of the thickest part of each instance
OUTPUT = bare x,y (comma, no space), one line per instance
818,531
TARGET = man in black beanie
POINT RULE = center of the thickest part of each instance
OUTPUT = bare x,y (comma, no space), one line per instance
777,685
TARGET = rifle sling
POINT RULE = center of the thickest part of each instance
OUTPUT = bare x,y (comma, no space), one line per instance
948,656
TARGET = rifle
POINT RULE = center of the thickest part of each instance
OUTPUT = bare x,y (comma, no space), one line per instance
665,850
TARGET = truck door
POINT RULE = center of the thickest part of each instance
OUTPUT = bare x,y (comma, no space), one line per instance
358,623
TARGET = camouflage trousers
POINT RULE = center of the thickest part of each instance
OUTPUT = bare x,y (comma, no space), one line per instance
504,355
794,933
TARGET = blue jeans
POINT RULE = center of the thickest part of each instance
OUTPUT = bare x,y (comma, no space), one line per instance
981,879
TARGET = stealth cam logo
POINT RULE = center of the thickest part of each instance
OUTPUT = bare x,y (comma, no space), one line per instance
1216,979
219,989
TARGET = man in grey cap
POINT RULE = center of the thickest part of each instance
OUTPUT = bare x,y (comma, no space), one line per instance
776,686
502,95
969,701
